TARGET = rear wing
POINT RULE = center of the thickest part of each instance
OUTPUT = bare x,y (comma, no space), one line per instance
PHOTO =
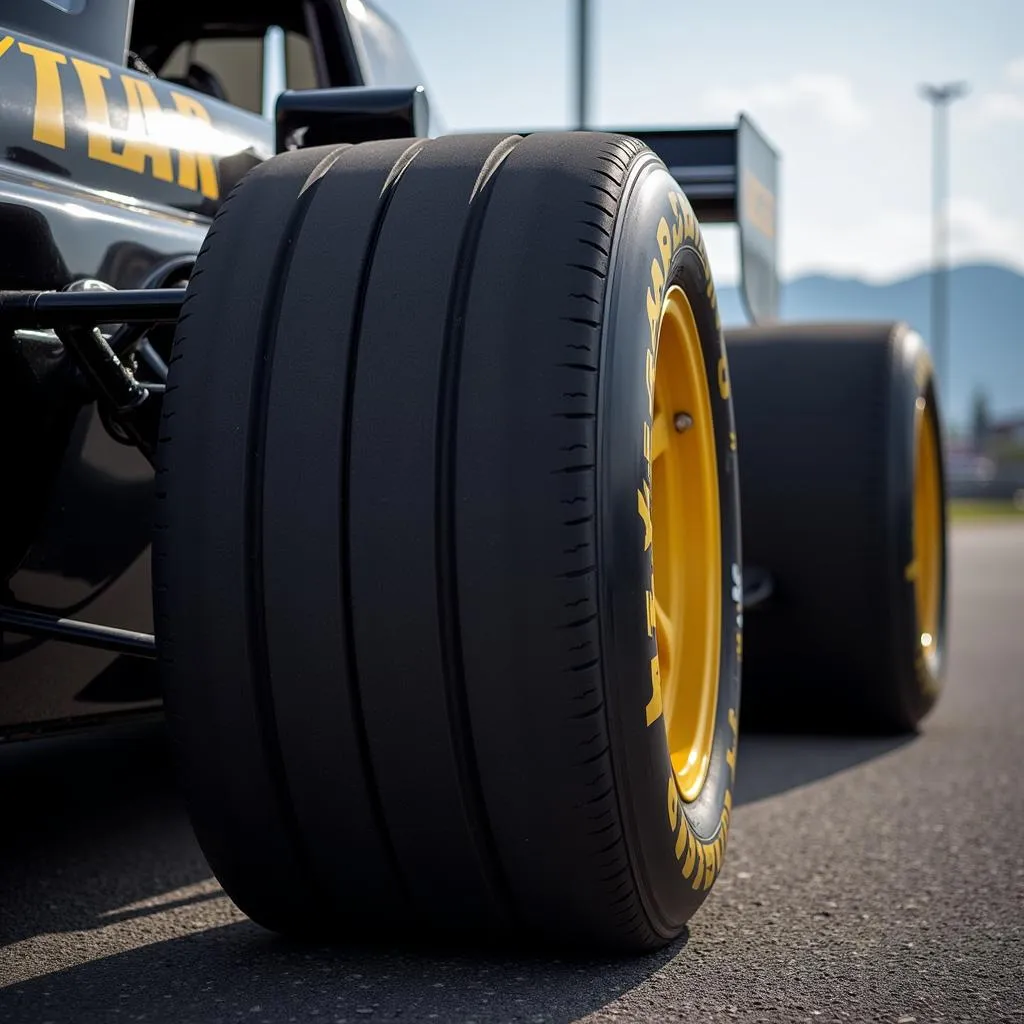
730,175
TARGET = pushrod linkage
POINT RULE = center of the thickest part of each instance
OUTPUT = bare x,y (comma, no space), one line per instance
85,634
90,308
75,317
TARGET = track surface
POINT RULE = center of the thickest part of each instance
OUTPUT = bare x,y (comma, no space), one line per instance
879,880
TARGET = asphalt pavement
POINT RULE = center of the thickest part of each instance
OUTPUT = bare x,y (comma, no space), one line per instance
865,880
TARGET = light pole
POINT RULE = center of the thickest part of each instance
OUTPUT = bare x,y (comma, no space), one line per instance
582,62
940,97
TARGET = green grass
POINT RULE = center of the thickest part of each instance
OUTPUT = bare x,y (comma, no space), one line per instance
963,510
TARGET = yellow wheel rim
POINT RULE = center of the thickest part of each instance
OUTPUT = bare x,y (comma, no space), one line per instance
687,548
927,530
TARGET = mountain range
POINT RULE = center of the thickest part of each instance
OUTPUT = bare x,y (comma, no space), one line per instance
986,326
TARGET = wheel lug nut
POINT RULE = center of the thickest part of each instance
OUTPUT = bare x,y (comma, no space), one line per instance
682,421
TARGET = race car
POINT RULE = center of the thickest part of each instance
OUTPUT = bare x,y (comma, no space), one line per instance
443,468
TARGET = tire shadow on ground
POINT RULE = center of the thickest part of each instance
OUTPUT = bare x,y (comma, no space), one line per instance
109,912
239,971
767,765
93,823
109,909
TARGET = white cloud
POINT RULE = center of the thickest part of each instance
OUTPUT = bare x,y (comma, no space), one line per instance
1005,104
977,233
1001,106
1014,71
826,97
879,248
895,243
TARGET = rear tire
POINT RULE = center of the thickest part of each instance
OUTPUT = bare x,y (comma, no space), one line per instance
833,424
404,556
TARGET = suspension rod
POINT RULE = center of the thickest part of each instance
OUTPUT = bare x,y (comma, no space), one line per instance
73,631
90,308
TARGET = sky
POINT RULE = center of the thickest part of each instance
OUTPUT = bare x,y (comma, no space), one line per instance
833,85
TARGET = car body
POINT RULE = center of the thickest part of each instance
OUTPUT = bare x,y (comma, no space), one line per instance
112,173
93,188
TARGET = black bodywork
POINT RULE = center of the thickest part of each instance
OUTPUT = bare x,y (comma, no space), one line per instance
110,173
77,203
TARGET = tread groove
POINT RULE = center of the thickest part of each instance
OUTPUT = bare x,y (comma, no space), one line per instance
354,693
445,502
252,540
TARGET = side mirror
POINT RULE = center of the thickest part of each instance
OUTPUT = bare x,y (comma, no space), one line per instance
323,117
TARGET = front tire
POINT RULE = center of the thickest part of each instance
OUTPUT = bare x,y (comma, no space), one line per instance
409,636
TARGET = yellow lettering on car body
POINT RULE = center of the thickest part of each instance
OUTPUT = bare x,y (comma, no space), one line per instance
137,146
195,170
145,143
48,119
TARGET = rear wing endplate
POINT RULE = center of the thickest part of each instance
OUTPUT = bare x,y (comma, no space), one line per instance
730,175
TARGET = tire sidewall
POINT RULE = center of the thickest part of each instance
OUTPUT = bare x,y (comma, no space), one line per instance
912,379
677,848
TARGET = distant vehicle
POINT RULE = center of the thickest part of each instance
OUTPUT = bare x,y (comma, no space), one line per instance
438,447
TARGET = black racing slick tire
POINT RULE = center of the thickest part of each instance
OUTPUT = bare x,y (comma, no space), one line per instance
415,664
843,505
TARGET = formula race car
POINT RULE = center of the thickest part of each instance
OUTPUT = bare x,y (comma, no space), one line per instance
439,452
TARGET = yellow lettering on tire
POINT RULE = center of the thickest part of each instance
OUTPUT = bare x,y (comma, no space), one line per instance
724,388
643,506
700,860
682,838
654,709
665,246
673,806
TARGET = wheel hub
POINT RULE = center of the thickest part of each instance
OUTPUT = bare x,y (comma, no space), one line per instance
927,531
687,548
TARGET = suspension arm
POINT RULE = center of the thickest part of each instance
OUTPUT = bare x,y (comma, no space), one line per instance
90,308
